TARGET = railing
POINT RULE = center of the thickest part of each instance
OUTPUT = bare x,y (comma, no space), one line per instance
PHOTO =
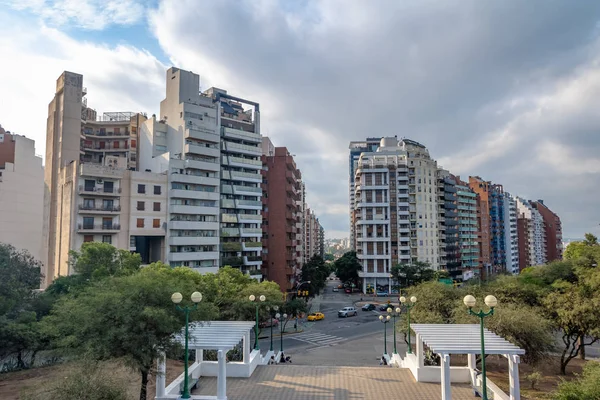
233,246
230,232
230,146
239,174
83,207
248,203
253,244
103,227
247,189
232,261
90,132
124,147
242,160
95,189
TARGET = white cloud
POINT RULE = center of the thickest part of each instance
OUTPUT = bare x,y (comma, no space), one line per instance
87,14
120,78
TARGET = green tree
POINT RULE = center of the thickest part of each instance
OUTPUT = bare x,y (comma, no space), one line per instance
129,317
21,275
347,266
328,257
584,253
98,260
575,309
411,274
585,387
315,271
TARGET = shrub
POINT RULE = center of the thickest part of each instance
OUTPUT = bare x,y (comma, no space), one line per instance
585,387
534,378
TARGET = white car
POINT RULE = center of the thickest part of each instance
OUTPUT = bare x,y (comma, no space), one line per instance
347,312
335,289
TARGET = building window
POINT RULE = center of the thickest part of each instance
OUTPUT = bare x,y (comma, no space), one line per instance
107,239
156,189
133,144
140,206
140,222
88,222
132,242
88,238
156,206
107,223
156,223
141,188
90,184
117,131
89,204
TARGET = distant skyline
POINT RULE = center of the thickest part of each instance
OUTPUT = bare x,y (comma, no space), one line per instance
507,90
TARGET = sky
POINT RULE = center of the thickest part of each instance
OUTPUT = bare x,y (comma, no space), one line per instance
507,90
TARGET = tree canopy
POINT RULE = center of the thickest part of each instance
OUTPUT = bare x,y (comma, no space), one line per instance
347,267
315,271
411,274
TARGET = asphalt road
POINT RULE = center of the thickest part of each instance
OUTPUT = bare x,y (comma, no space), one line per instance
349,341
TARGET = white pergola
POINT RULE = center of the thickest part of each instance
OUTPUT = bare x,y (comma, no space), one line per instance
221,336
447,339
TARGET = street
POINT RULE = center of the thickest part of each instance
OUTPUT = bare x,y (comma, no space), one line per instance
352,341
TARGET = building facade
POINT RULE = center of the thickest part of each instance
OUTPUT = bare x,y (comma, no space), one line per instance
552,231
21,195
511,236
482,189
282,247
468,230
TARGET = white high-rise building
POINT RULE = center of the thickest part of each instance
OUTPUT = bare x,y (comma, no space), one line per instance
535,231
395,210
511,240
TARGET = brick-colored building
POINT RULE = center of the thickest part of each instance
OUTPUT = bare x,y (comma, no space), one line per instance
482,189
552,230
282,228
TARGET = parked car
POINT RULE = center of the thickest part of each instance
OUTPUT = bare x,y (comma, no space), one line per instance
335,289
340,286
347,290
368,307
268,323
384,307
317,316
347,312
382,293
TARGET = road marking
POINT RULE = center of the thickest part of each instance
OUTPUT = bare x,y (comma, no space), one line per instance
318,338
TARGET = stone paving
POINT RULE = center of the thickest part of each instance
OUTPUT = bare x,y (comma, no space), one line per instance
303,382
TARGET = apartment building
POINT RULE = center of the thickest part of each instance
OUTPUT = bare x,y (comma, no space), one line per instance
449,232
531,235
396,210
468,230
497,225
511,235
282,235
482,190
87,175
356,149
552,231
21,194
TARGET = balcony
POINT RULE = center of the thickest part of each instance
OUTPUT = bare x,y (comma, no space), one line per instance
247,190
231,246
243,176
232,261
251,232
252,260
103,134
251,246
99,209
202,150
99,191
107,147
249,218
230,232
202,133
104,228
242,148
243,135
241,162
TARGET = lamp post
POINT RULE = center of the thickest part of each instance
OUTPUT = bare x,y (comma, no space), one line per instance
176,298
281,330
385,320
253,298
275,308
491,302
394,314
408,306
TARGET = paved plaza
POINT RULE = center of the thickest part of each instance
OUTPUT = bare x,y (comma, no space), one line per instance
303,382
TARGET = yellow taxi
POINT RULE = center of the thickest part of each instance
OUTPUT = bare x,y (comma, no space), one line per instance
315,316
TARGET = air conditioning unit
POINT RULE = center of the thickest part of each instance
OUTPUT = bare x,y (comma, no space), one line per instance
99,181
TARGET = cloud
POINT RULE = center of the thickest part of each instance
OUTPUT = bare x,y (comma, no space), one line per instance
86,14
121,78
504,90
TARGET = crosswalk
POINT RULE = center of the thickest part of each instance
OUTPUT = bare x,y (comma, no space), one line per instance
320,339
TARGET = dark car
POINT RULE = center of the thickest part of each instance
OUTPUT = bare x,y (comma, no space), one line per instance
384,307
347,290
368,307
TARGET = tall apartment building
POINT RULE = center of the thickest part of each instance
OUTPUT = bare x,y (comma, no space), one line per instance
531,235
21,194
282,233
356,149
396,213
552,231
482,189
449,235
468,230
89,182
511,238
313,235
497,225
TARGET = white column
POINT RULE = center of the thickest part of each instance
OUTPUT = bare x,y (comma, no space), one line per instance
472,364
199,355
221,376
513,371
246,346
161,375
419,351
446,388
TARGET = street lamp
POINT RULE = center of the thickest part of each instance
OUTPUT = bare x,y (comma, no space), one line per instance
408,306
275,308
253,298
196,298
385,320
491,302
394,314
281,330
